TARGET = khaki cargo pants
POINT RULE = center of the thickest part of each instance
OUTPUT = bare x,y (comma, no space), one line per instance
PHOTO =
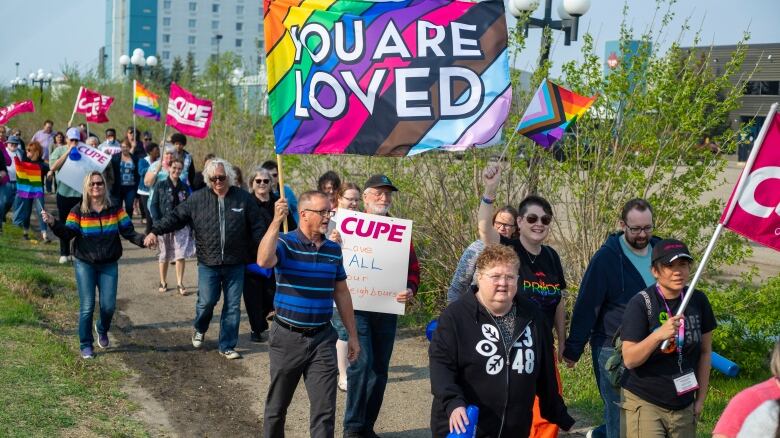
642,419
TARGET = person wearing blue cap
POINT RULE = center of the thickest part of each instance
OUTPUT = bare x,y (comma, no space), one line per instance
67,197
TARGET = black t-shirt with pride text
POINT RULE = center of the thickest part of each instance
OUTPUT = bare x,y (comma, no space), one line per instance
653,381
541,277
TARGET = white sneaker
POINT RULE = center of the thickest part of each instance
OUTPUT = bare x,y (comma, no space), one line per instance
197,339
230,354
63,260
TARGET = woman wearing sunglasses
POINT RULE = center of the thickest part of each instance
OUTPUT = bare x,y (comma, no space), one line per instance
541,273
95,225
259,283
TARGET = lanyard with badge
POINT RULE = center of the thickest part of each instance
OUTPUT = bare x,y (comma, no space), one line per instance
684,382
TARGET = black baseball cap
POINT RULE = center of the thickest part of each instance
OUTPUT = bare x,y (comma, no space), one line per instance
669,250
380,181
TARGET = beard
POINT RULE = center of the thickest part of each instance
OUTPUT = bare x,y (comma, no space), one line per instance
377,209
638,242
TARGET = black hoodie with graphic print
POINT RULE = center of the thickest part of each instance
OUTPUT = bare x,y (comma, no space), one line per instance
470,365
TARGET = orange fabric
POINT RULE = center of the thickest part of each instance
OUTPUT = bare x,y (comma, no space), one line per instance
541,428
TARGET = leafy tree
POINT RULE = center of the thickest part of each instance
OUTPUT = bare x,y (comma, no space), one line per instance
158,75
190,70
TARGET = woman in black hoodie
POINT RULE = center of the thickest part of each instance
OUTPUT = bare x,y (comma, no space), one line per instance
493,349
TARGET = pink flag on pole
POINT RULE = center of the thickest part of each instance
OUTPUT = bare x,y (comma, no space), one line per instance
757,212
14,109
188,113
93,105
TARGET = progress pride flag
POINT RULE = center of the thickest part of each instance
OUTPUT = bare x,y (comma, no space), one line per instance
188,113
757,213
93,105
14,109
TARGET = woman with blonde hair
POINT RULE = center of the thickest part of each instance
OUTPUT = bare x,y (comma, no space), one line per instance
95,226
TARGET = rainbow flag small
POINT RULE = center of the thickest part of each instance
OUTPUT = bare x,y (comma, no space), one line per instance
552,109
145,103
29,179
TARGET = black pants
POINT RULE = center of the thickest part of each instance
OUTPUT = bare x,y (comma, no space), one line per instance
64,206
142,203
258,299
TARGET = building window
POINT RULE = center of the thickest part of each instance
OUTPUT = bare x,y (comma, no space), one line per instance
166,21
215,7
147,11
191,39
166,4
213,41
166,38
238,42
192,23
215,25
146,45
239,10
146,27
239,26
166,54
193,6
762,88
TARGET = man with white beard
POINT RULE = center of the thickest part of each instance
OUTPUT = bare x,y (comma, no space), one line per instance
367,377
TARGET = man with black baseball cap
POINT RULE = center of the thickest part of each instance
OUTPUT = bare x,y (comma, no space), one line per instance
367,377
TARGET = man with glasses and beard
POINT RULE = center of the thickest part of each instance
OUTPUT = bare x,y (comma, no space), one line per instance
617,272
228,227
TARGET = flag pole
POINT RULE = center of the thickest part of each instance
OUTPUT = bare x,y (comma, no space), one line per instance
165,125
75,107
281,185
729,210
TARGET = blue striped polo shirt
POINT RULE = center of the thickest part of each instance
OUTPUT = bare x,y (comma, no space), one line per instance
306,277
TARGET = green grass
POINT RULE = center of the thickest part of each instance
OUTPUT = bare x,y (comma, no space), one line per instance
45,388
582,395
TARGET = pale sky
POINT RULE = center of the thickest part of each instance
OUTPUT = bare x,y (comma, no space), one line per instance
51,33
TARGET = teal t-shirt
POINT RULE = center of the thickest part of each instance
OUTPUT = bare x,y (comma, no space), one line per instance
641,263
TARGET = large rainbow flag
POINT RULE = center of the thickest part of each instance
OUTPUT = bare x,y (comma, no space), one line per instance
388,78
29,179
145,103
552,109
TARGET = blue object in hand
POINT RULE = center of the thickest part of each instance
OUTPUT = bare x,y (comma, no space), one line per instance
724,365
472,412
74,154
430,328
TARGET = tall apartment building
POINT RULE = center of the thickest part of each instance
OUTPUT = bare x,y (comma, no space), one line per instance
171,28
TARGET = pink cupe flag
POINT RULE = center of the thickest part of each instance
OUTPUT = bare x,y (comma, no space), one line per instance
189,114
14,109
756,214
93,105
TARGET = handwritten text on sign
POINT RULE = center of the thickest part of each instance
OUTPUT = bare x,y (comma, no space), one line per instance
376,258
72,172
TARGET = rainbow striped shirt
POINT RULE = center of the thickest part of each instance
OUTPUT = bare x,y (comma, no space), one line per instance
95,224
29,179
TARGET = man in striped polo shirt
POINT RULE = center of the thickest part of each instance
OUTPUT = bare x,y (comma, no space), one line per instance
310,276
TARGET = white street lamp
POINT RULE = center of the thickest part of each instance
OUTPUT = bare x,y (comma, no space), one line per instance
151,61
576,8
40,78
522,6
124,61
569,11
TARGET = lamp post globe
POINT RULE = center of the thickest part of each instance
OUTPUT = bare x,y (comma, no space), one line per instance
576,8
138,53
124,60
524,5
562,12
32,76
151,61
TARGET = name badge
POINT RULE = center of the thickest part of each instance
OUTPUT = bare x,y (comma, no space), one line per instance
685,383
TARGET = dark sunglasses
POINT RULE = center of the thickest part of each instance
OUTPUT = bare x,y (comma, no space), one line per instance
262,181
274,175
96,184
220,178
532,218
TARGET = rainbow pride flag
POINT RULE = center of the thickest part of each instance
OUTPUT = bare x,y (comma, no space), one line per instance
104,223
391,78
29,179
552,109
145,103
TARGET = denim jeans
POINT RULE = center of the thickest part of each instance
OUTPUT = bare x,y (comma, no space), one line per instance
367,377
7,196
609,394
89,276
212,280
127,195
23,208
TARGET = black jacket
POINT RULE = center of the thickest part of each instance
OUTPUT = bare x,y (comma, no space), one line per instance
243,226
267,211
469,365
116,183
96,235
610,281
167,197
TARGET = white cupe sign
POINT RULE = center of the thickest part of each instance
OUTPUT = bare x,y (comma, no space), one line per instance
376,258
72,173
